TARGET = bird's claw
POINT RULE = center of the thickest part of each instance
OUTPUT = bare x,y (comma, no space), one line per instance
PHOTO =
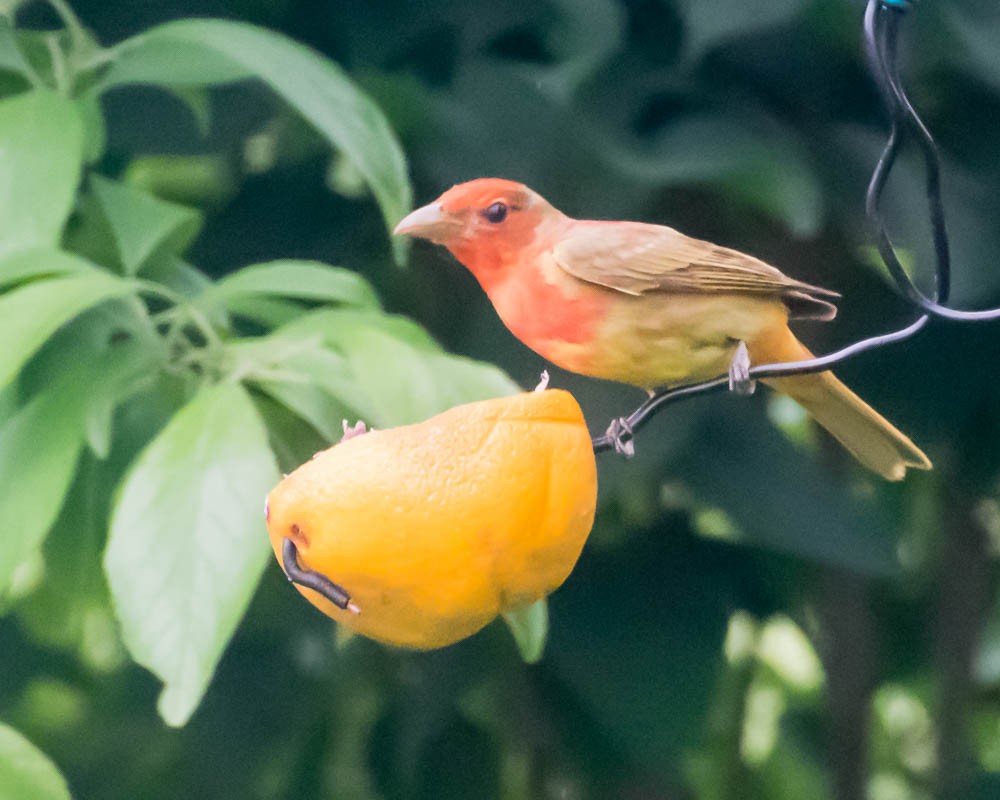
622,437
740,381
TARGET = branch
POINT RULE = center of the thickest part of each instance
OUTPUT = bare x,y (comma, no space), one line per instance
881,32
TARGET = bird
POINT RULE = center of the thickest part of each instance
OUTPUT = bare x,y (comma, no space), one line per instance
646,305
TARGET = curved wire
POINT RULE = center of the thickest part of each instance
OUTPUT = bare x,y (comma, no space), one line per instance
881,30
881,33
333,592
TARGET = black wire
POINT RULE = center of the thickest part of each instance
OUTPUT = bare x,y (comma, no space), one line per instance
882,24
623,430
881,33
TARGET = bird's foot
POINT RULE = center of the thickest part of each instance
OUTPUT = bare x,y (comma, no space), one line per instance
622,437
740,381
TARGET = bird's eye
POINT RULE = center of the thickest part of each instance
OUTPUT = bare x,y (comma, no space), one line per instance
496,213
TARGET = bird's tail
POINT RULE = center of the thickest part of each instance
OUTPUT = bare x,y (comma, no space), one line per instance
869,436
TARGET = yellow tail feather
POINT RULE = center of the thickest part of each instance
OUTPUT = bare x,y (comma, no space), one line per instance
869,436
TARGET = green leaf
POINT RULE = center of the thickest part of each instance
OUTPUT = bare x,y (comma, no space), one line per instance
26,772
11,57
750,157
709,23
197,101
73,589
820,521
530,627
267,311
590,33
309,380
334,324
408,385
310,403
95,132
40,165
143,224
637,638
198,52
163,56
31,314
39,263
977,30
40,445
397,374
125,369
303,280
207,181
187,542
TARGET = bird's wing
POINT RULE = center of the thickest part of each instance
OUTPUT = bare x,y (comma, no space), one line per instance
636,258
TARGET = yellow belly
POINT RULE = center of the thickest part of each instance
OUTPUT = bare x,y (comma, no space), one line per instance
662,340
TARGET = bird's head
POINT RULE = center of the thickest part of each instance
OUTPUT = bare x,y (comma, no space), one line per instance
485,223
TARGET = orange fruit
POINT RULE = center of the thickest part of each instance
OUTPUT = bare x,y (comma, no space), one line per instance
434,529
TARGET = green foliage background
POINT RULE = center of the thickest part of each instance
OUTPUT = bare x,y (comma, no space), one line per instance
752,617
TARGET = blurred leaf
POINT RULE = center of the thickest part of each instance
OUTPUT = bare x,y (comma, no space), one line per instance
182,277
407,385
310,403
792,772
142,223
751,158
978,30
397,374
95,133
590,32
73,588
39,263
302,280
205,181
271,312
198,102
163,57
311,381
637,636
26,772
293,440
331,372
530,627
334,324
31,314
187,542
709,23
11,57
40,445
987,663
125,369
818,519
201,52
40,165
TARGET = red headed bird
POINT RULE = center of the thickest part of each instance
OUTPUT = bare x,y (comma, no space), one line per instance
646,305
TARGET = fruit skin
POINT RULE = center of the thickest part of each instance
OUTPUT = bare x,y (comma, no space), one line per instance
436,528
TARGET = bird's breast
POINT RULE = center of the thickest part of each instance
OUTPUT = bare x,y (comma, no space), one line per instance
553,313
652,340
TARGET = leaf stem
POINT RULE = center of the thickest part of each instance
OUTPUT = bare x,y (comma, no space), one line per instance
59,71
180,302
72,22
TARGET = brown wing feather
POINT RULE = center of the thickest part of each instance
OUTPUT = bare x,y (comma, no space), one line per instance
636,258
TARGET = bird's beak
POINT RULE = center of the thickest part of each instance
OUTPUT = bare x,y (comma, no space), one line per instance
429,222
